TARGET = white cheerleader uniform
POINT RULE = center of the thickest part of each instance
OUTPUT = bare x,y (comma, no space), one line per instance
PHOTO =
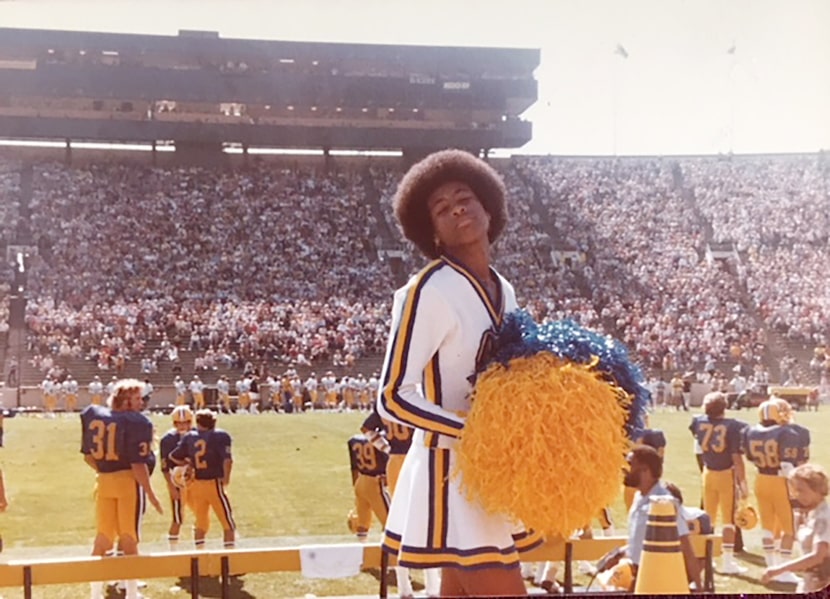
442,323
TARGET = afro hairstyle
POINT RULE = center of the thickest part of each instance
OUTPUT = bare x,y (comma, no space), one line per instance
424,177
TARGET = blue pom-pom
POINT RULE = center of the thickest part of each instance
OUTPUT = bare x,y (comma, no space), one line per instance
520,336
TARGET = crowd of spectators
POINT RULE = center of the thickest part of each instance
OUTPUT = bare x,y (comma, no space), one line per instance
139,263
9,200
126,232
645,270
774,211
227,262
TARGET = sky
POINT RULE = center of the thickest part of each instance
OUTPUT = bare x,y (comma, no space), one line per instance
679,91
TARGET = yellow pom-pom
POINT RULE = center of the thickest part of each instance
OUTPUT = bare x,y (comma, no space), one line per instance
544,443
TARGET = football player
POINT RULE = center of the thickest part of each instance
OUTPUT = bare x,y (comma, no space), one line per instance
223,390
197,392
311,384
208,451
49,391
364,400
286,392
253,393
697,519
329,384
182,424
723,468
606,523
181,391
774,449
116,442
787,417
349,394
368,466
394,439
70,390
243,394
297,392
96,391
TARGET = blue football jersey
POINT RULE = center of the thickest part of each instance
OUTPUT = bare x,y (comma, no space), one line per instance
207,452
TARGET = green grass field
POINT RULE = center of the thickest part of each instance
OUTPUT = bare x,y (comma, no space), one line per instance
291,485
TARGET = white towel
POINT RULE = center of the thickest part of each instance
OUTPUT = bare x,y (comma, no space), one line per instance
331,561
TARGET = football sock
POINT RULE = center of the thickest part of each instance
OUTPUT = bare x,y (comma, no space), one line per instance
96,590
432,582
404,584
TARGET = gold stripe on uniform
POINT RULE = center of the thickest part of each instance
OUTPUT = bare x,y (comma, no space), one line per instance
431,393
439,488
401,346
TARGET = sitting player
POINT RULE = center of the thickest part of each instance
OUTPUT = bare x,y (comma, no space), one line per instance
698,520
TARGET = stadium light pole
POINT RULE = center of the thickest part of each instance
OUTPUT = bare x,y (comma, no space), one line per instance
622,54
731,52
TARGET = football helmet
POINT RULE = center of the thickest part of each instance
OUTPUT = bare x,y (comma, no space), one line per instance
785,410
775,410
351,521
768,411
182,414
746,517
182,475
620,577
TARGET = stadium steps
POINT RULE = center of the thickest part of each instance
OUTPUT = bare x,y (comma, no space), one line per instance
802,353
778,345
4,345
535,191
373,198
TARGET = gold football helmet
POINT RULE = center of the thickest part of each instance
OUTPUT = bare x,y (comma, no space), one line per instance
182,475
775,410
746,517
785,410
620,577
182,414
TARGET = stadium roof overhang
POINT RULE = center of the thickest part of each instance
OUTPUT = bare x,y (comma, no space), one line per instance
509,134
208,46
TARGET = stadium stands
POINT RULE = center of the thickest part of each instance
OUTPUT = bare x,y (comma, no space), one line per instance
279,265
